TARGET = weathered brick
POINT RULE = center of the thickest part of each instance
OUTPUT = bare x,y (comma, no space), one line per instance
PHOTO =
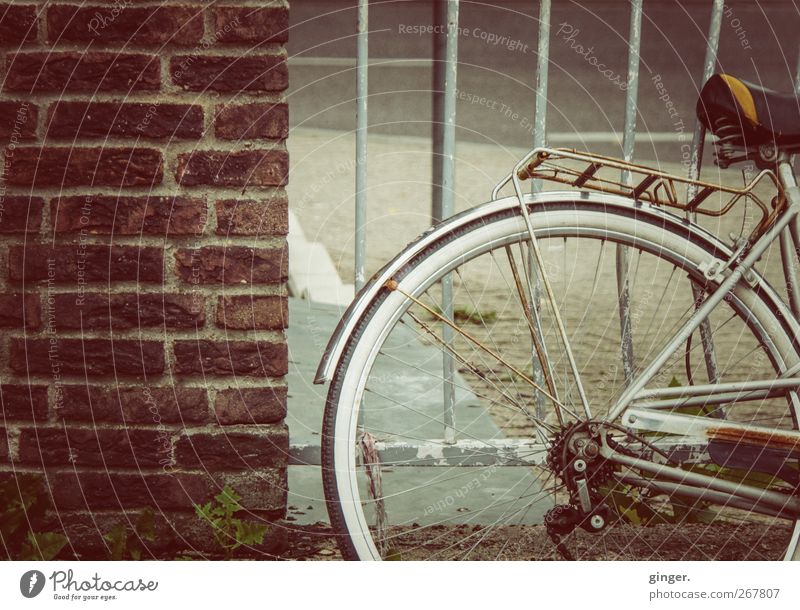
24,402
261,490
17,24
124,311
245,168
100,214
232,265
4,453
218,451
267,217
226,74
252,121
54,72
20,311
92,490
133,405
124,120
247,358
90,263
105,447
250,405
252,312
18,120
85,167
132,25
119,357
20,214
251,24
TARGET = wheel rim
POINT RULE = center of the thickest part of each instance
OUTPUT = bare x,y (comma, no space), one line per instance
558,223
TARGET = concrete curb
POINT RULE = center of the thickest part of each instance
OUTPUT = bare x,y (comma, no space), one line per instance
312,274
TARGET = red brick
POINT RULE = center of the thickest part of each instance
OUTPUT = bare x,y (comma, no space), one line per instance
250,405
227,74
221,451
20,311
252,121
232,265
267,217
251,24
245,168
92,490
17,120
85,167
17,24
99,263
124,120
252,312
125,311
103,447
99,214
4,453
132,25
247,358
134,405
20,214
54,72
24,402
120,357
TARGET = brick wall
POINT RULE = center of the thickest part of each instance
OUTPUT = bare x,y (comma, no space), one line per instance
143,260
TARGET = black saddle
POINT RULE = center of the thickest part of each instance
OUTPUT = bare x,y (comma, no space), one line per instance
748,114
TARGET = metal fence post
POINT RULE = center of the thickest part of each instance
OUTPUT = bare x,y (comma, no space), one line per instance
448,207
542,68
539,139
628,144
439,21
696,160
362,57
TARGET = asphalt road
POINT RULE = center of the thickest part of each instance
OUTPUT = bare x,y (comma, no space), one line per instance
497,60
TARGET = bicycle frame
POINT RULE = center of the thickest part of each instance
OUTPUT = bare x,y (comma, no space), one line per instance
466,452
652,416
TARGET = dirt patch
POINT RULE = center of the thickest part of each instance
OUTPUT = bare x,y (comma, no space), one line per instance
719,542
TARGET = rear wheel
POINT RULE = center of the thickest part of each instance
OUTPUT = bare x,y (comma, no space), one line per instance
427,498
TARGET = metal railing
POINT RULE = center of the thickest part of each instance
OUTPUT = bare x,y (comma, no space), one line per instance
444,142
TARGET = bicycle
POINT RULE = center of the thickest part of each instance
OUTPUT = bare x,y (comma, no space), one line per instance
492,395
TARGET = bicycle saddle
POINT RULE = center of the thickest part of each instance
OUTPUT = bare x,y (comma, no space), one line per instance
757,115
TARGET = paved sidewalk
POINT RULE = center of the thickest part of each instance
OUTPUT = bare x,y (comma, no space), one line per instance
461,495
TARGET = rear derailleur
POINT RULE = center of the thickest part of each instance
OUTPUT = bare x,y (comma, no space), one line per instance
575,459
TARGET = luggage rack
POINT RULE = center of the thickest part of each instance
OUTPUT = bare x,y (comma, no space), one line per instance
649,185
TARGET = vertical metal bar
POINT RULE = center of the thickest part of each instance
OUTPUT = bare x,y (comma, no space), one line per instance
362,90
542,67
696,160
539,139
447,208
438,19
698,137
362,57
628,145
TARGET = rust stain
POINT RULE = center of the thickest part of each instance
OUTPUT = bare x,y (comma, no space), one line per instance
773,439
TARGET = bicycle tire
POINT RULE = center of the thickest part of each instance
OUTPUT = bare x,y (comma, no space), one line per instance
650,230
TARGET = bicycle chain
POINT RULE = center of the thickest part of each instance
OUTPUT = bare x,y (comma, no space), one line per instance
561,520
